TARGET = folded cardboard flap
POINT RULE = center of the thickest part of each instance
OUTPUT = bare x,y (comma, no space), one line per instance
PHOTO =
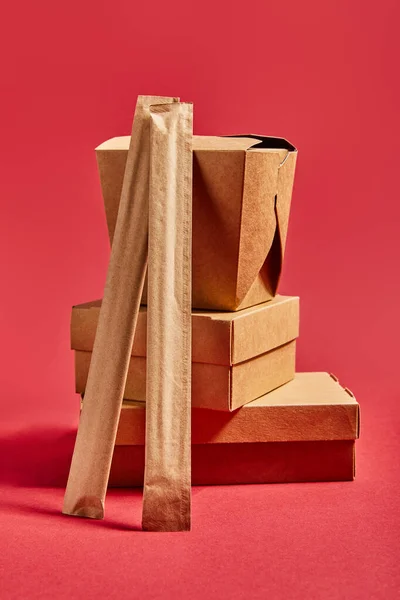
262,242
242,189
220,338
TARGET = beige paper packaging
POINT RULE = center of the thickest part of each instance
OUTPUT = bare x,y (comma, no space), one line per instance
218,338
167,477
305,431
91,461
218,387
242,188
236,356
313,407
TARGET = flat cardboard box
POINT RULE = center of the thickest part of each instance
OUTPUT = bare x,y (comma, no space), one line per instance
237,356
219,338
304,431
313,407
271,462
242,188
217,387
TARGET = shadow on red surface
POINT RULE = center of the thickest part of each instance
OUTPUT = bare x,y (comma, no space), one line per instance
30,509
36,458
40,458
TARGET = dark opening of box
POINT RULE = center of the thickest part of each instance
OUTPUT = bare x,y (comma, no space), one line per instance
268,142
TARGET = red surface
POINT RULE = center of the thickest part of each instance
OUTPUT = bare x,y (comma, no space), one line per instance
323,74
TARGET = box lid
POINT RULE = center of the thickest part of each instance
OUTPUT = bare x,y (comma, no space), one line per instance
221,338
312,407
212,142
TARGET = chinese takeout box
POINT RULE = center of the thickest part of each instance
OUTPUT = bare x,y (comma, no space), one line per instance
302,431
242,188
236,356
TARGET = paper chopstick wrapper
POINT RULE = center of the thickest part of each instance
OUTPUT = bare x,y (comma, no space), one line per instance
91,461
167,480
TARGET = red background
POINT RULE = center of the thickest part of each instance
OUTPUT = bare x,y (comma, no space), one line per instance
324,75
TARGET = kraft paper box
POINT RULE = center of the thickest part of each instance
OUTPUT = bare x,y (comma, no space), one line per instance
313,407
304,431
237,356
242,188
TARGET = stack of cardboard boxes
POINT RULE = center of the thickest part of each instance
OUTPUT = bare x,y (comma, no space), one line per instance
254,420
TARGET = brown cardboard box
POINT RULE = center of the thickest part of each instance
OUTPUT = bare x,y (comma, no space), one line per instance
237,356
242,189
313,407
215,387
303,431
271,462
